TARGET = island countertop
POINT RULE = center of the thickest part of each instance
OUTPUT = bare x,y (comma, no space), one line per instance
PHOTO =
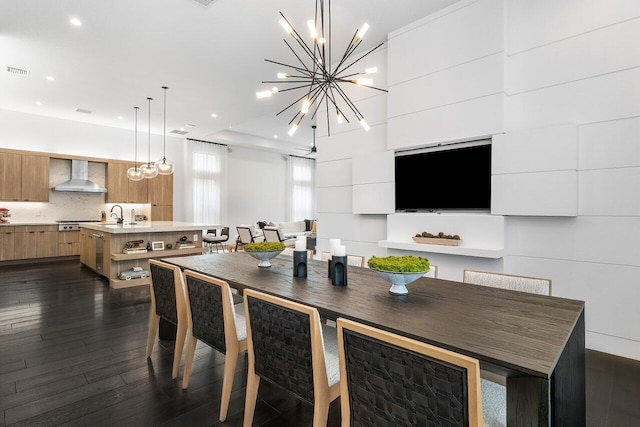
147,227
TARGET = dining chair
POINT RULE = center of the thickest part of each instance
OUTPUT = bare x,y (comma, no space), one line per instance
289,347
213,319
246,236
168,303
212,239
388,379
433,272
274,234
532,285
289,251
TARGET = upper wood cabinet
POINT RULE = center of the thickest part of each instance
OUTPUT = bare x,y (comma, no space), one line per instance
24,177
161,190
11,176
121,189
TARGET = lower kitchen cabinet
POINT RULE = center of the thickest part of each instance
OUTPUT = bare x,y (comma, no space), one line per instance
35,241
68,243
88,249
7,243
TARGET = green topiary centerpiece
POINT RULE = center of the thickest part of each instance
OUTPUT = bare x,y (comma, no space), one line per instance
399,270
264,251
400,264
264,247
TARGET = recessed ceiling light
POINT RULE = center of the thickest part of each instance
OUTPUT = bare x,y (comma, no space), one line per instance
181,128
51,78
214,115
38,102
275,136
119,117
75,22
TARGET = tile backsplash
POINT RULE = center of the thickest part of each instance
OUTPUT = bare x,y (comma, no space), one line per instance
69,205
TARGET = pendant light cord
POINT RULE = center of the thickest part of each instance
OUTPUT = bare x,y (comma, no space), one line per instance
135,153
149,152
164,127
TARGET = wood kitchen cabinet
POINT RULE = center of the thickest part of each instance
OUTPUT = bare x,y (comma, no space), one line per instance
68,243
161,198
35,241
7,243
25,177
87,249
121,189
10,176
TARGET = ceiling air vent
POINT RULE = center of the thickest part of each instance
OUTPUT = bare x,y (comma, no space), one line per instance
179,132
83,110
204,2
18,71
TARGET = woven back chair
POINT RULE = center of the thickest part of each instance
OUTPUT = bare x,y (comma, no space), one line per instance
532,285
214,320
389,380
289,347
168,303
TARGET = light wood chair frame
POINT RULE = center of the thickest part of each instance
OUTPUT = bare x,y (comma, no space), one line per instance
181,309
471,365
355,260
504,275
322,392
233,346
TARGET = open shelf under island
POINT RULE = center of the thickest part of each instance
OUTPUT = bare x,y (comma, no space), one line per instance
102,246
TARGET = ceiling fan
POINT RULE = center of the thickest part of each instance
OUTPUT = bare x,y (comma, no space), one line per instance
313,147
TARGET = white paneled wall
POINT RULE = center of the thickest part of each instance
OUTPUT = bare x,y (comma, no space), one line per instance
373,183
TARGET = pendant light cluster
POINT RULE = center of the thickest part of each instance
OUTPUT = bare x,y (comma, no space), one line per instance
150,170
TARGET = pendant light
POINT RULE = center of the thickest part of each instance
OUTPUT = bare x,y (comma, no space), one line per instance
135,173
149,169
164,166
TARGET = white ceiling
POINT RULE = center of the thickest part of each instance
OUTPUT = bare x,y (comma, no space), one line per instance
211,58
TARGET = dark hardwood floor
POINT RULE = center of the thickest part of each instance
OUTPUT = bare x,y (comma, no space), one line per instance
72,353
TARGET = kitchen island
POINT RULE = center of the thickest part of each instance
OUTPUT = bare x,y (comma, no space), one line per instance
110,249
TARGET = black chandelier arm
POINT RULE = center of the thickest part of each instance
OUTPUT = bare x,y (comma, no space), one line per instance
348,51
296,55
303,70
294,88
354,83
332,97
348,101
359,59
309,81
292,104
326,103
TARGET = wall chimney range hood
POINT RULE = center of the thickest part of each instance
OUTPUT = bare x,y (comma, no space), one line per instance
79,181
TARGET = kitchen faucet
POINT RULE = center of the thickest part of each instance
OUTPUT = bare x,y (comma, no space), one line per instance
119,219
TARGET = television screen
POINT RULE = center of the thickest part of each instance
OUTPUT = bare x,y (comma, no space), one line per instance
444,179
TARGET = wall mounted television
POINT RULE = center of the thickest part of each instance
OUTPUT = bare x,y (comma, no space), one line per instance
454,178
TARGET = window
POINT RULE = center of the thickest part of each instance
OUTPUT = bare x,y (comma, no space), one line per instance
205,167
301,189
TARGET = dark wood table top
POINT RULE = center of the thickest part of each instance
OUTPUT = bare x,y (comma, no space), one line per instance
509,332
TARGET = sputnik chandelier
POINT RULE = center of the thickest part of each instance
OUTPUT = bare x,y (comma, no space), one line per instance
315,74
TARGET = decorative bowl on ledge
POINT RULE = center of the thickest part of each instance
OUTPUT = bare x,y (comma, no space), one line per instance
399,270
264,251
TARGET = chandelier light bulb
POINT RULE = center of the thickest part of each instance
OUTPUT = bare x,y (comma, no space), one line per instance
339,118
363,82
263,94
362,31
364,125
321,40
371,70
293,129
312,29
283,75
163,166
306,104
286,26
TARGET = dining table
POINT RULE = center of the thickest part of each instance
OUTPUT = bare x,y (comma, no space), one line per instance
537,342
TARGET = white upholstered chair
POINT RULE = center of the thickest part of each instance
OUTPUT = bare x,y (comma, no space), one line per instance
532,285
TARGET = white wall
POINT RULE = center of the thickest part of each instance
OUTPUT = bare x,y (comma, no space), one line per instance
573,62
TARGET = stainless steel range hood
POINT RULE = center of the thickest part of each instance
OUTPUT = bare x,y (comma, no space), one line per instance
79,181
